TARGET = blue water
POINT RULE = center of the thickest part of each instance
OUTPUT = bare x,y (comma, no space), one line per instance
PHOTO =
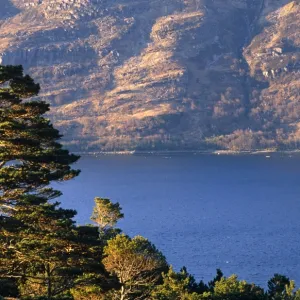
237,213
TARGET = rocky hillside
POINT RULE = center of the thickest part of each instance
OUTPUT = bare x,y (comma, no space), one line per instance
168,74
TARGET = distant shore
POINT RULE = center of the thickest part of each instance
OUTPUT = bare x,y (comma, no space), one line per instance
193,152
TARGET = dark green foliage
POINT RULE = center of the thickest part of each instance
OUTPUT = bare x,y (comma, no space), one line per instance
218,277
233,289
40,245
30,155
176,286
277,287
192,284
44,255
8,288
60,297
181,286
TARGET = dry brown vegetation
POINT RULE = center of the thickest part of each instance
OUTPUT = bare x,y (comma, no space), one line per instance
124,75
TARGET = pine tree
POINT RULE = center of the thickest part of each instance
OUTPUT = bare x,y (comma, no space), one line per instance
175,286
30,155
106,215
40,246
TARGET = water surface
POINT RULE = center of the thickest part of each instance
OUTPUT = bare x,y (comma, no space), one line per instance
237,213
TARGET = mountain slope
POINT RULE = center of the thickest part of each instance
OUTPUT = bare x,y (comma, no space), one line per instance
169,74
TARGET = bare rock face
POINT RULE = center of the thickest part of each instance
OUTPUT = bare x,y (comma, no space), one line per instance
274,58
169,74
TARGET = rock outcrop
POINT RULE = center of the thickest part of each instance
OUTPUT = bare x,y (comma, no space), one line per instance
169,74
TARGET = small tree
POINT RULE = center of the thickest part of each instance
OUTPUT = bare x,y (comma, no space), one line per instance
218,277
233,289
137,264
106,214
278,286
175,286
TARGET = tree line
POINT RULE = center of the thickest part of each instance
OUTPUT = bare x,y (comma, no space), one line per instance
44,254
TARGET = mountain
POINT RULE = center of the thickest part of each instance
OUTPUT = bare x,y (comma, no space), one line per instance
168,74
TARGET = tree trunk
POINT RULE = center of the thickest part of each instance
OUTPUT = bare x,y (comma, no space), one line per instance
123,293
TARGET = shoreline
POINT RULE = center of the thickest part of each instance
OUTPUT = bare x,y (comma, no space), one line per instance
191,152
